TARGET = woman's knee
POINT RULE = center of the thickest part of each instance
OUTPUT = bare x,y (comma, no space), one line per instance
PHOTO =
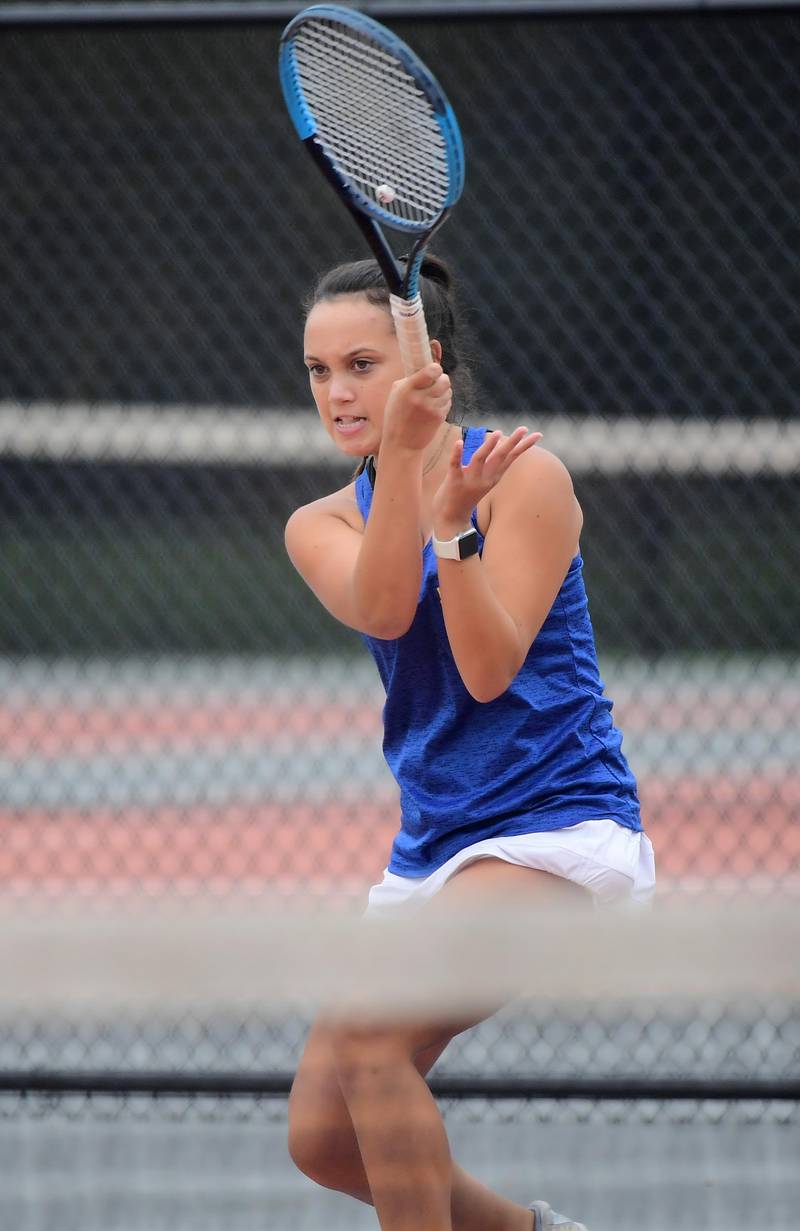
322,1142
321,1139
358,1050
327,1154
363,1051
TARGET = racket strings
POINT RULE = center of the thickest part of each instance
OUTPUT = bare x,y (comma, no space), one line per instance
373,120
356,131
363,57
351,138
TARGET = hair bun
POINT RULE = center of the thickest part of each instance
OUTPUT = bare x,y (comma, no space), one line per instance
434,269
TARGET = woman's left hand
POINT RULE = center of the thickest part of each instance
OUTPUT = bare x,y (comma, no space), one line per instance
464,486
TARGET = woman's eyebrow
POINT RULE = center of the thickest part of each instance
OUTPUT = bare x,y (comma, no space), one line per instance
358,350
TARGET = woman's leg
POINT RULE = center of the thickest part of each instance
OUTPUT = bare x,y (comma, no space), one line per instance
400,1133
361,1102
323,1144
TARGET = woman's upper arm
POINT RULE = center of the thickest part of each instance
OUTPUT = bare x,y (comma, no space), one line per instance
323,546
531,539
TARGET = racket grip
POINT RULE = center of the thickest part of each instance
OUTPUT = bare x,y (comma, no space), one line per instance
412,332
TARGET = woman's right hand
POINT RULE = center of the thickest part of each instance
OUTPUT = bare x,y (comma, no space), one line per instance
416,408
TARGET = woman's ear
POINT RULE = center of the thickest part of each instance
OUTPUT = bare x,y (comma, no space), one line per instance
436,350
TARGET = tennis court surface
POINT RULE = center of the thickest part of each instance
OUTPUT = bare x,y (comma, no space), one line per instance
141,1166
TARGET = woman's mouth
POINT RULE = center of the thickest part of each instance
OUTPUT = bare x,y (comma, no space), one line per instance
348,425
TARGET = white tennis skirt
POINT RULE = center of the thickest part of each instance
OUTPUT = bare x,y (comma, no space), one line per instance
613,862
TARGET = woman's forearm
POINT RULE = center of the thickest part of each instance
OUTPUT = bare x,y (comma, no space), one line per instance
485,641
495,604
388,573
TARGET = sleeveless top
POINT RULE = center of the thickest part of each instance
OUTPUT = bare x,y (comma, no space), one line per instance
542,756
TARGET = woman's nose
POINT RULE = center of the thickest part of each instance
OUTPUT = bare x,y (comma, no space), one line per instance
340,389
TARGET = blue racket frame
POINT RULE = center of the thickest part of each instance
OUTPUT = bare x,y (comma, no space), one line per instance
367,213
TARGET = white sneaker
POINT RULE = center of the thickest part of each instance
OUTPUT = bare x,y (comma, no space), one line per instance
544,1218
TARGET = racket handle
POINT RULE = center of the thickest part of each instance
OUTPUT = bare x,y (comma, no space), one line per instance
412,332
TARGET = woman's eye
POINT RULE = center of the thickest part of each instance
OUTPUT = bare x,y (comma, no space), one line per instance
362,365
316,369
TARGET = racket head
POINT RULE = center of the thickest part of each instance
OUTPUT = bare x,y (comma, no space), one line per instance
376,116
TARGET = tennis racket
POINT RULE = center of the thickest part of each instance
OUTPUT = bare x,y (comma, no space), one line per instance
379,127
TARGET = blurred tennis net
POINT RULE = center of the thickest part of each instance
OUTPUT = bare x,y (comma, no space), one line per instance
234,969
161,1034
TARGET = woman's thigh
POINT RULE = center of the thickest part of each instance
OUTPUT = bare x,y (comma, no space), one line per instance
490,878
317,1083
319,1122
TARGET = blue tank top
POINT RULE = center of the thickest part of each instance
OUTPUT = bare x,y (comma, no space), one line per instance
542,756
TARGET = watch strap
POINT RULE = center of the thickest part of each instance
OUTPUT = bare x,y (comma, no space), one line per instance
460,547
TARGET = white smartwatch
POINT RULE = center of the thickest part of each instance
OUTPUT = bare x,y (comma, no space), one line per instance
461,547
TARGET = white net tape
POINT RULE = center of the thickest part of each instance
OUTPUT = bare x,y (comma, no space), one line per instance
150,955
373,120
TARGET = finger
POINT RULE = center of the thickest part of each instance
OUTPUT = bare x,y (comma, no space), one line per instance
455,455
526,443
425,377
510,446
520,438
483,450
440,386
438,410
505,450
510,442
432,395
496,448
503,447
439,407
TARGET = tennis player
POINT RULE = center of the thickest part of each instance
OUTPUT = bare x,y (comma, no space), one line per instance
455,553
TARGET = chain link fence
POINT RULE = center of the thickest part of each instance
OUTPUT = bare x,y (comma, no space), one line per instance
175,710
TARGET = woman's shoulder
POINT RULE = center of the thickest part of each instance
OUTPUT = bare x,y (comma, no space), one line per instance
538,461
539,483
536,475
341,504
543,463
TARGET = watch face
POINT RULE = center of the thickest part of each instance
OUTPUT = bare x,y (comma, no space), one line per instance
467,544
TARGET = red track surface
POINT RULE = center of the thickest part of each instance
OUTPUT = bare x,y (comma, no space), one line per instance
701,827
152,727
71,730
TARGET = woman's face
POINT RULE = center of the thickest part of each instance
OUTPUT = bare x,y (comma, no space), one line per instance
353,360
